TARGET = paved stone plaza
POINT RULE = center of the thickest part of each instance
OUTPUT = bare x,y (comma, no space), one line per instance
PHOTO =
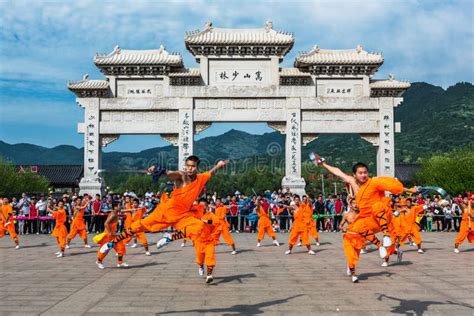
256,281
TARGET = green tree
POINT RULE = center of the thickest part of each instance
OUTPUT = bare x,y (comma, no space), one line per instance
13,182
453,172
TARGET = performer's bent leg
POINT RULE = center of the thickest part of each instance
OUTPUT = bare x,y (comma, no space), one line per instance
352,244
188,226
261,233
228,238
363,227
270,232
13,235
381,217
121,251
143,240
462,235
146,224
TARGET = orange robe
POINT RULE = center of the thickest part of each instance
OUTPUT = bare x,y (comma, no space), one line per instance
371,195
223,229
466,227
128,220
78,226
119,247
299,227
264,224
205,244
375,208
175,211
398,222
60,230
310,223
352,243
410,227
7,212
138,216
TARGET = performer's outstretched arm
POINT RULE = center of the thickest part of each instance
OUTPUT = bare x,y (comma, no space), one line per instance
219,165
174,175
338,173
157,171
392,185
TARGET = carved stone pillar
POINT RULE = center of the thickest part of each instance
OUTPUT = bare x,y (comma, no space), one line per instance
293,179
92,183
386,149
186,131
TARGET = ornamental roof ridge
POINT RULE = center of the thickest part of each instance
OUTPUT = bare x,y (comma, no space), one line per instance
87,83
293,72
186,72
338,56
390,83
230,36
121,56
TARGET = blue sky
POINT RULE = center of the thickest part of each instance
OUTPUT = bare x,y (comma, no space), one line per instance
43,44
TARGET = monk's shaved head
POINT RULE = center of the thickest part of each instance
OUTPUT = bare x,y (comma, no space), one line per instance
194,159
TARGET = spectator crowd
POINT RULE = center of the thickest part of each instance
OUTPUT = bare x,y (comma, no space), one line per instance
33,212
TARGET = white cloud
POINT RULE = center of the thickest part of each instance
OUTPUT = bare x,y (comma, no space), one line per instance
63,37
44,44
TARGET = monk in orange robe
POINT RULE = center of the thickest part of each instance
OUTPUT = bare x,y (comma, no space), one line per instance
110,231
205,244
137,213
264,224
127,224
175,211
311,224
6,221
224,226
352,242
60,230
466,229
409,226
398,218
374,208
299,227
78,226
197,210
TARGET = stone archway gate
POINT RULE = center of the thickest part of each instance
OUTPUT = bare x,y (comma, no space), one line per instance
239,79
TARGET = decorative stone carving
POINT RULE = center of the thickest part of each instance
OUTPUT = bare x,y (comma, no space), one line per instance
171,138
278,126
268,26
107,139
200,127
208,25
308,138
371,138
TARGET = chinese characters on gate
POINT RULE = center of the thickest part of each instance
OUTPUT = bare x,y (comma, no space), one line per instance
91,139
387,128
332,91
185,135
139,91
239,76
294,143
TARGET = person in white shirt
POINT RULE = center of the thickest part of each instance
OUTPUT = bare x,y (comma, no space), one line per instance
41,207
24,210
